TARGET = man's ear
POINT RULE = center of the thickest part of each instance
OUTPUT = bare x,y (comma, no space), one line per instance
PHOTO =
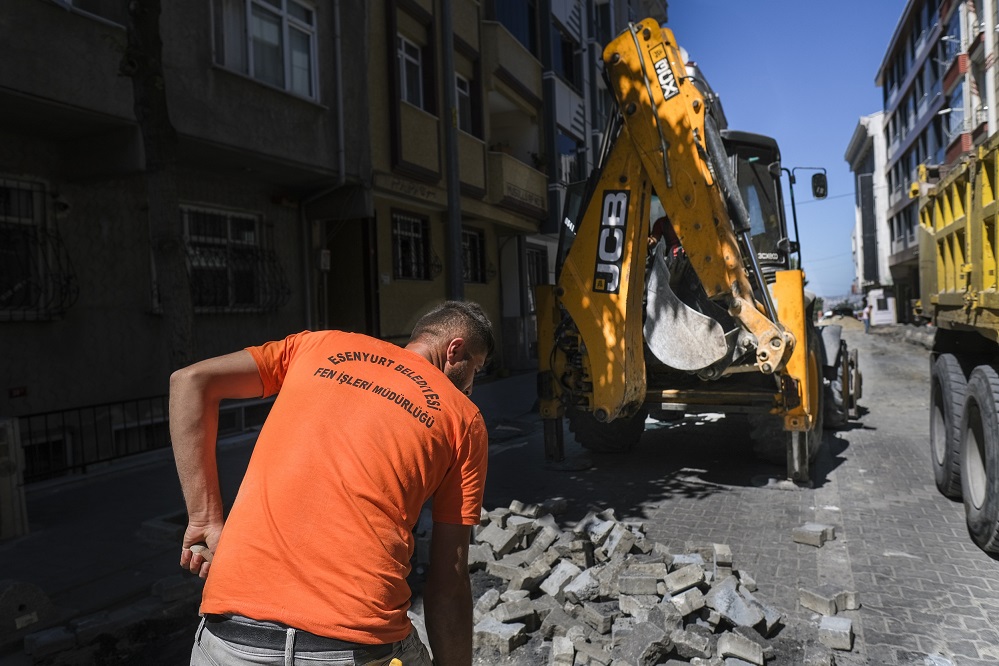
455,351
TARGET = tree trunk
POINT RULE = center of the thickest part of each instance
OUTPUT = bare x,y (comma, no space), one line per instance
143,63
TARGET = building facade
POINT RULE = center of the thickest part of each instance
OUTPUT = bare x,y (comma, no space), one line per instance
871,241
938,84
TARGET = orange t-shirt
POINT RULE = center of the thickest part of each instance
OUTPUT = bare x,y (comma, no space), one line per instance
360,436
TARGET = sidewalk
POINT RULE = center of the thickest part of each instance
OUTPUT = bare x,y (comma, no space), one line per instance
103,550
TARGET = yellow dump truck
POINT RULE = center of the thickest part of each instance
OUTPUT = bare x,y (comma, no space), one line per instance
959,292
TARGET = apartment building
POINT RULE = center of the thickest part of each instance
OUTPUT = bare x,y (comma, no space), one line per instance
938,84
866,155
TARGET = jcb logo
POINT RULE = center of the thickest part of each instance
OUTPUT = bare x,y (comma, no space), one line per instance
610,244
666,79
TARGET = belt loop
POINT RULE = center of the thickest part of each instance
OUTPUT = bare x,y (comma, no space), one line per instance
201,628
289,647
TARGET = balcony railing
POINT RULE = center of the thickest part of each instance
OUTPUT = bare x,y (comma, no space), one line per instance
77,440
516,186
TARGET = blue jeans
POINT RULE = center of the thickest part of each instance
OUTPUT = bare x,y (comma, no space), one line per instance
210,650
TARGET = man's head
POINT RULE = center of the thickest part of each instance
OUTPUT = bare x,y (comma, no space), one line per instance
457,336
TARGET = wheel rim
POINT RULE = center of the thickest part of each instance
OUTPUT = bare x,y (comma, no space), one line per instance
937,427
973,457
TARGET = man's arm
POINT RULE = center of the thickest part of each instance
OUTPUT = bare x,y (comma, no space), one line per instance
447,598
195,393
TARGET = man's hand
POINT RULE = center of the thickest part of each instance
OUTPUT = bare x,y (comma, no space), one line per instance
200,542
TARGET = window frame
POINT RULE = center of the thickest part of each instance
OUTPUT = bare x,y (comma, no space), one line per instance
225,10
420,266
473,246
402,58
467,106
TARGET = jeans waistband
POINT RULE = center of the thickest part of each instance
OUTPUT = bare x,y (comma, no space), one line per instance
262,636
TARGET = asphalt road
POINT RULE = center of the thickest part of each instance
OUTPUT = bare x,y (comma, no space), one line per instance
928,595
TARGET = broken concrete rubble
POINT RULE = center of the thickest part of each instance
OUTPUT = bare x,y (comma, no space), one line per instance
601,592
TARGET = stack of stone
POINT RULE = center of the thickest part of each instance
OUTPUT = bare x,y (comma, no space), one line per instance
602,593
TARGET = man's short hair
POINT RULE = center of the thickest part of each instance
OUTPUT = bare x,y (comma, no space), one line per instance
458,319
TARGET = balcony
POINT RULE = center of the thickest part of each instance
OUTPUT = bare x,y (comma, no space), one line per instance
516,186
418,142
472,158
506,61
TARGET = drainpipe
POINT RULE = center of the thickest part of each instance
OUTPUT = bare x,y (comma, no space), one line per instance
455,277
988,8
341,178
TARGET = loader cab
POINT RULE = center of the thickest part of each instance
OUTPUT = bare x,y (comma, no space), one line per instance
755,159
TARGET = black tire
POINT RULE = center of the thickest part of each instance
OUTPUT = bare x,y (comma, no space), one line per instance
980,458
947,390
837,408
770,441
618,436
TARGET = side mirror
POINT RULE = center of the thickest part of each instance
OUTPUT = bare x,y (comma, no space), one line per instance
820,187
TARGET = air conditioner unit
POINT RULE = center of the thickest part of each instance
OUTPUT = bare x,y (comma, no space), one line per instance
13,512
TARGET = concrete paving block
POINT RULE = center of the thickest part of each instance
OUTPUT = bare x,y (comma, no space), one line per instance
501,570
731,644
818,600
499,516
746,580
599,615
722,554
542,540
479,555
491,633
562,653
753,635
818,656
622,627
488,601
583,587
544,605
847,600
687,558
555,505
629,583
500,539
595,527
724,597
665,615
689,601
562,575
638,604
522,525
513,612
813,534
49,641
557,623
690,643
607,576
642,545
619,541
644,646
576,550
713,661
836,632
735,661
531,576
591,654
527,510
684,578
514,595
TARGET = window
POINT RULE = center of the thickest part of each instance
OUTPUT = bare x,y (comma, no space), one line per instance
272,41
537,273
464,98
565,58
571,158
473,251
36,276
521,19
230,271
410,247
410,72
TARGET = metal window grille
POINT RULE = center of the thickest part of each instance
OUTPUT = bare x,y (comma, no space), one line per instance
37,280
230,270
410,247
473,247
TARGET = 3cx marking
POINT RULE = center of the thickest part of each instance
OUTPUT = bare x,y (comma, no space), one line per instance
610,243
664,73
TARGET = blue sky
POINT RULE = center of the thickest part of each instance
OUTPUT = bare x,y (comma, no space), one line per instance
802,72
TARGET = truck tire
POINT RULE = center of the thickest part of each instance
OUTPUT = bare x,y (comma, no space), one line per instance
837,407
980,458
947,391
617,436
770,441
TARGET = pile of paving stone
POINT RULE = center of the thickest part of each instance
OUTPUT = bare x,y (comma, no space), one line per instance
603,594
